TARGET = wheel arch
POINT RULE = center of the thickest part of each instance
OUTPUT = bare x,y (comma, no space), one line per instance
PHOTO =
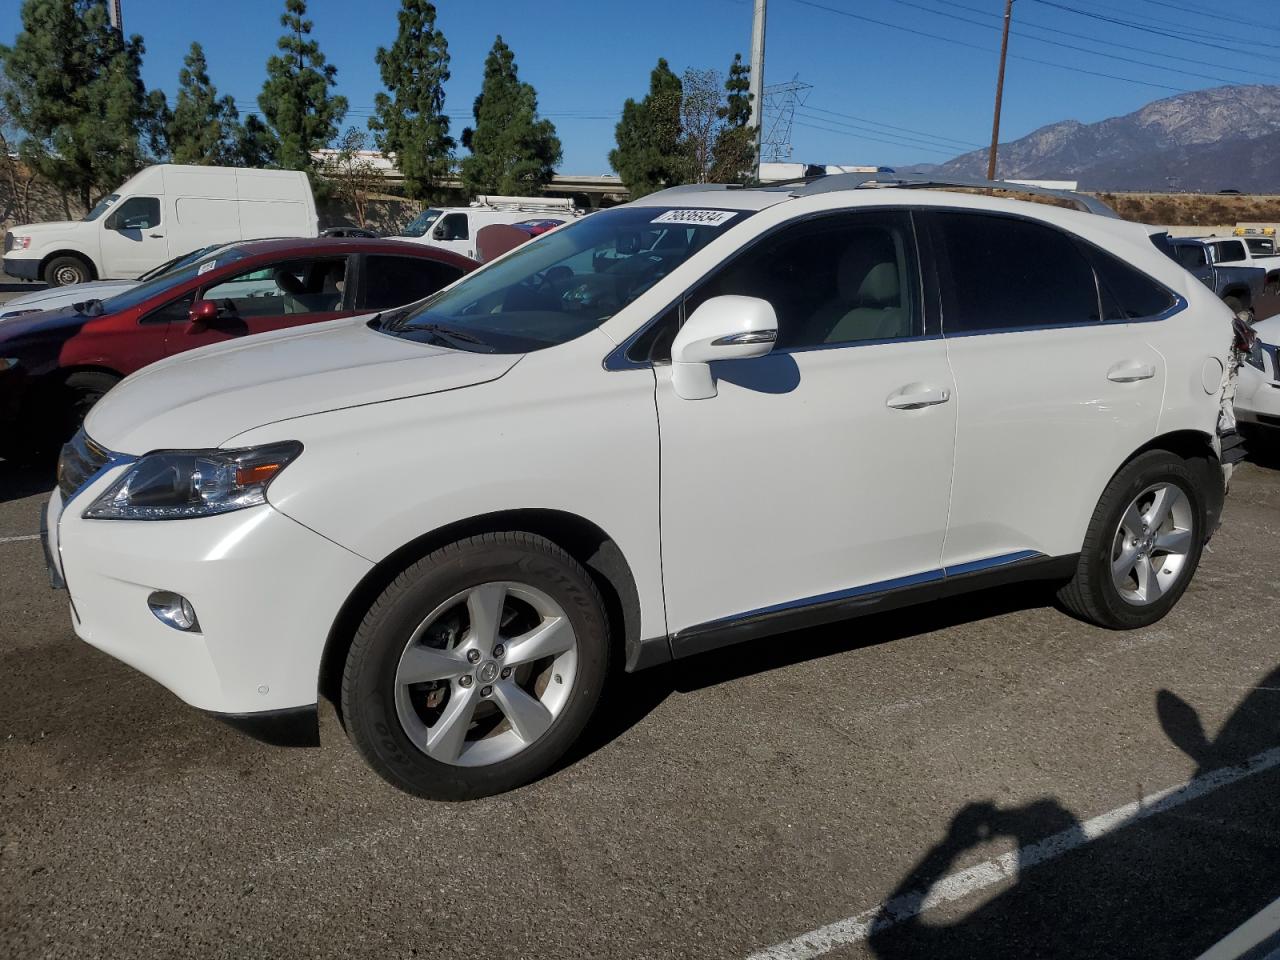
1239,291
1196,447
78,254
580,538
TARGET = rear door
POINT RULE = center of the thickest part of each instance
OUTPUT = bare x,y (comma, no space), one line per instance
1056,384
285,293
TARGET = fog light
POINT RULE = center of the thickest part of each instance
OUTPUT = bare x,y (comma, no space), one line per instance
174,610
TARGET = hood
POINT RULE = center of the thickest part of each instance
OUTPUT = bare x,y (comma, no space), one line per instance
39,325
53,297
1269,330
205,397
49,226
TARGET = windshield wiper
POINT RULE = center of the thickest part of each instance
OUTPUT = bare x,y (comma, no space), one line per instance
451,336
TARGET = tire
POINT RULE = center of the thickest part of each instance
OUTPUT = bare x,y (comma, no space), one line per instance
424,619
80,392
1095,593
67,269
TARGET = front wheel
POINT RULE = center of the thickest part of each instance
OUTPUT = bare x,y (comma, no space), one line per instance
1142,547
66,270
477,668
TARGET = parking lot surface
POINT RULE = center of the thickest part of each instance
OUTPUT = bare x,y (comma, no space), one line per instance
727,806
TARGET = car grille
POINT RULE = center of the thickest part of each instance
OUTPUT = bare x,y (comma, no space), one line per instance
8,241
81,458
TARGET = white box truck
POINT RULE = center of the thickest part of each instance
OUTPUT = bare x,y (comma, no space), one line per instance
455,228
162,212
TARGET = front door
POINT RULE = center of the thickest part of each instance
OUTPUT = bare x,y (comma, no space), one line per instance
822,470
133,239
455,232
284,294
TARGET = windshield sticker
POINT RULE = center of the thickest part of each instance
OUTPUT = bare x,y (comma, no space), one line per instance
697,218
206,267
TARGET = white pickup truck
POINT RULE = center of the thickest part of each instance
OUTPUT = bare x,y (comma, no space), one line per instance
1248,252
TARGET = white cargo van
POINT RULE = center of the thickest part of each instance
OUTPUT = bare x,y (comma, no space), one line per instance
455,228
163,212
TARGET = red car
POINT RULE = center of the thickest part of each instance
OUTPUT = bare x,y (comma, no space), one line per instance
55,365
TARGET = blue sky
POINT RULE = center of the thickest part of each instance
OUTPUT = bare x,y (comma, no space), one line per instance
881,94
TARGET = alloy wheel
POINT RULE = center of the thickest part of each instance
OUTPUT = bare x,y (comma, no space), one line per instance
486,674
1151,544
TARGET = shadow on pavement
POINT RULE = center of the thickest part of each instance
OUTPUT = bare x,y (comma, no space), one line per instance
18,480
635,696
1167,884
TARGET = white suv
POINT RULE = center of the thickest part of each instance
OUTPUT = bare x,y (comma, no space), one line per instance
703,417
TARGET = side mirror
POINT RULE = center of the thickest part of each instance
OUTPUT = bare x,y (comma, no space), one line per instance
438,232
203,315
723,328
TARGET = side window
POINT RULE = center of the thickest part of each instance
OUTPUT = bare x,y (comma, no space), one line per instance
1229,251
136,213
295,286
175,311
1127,294
394,281
1005,273
846,278
453,227
1192,256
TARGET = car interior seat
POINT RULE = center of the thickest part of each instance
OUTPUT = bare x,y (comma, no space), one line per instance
869,299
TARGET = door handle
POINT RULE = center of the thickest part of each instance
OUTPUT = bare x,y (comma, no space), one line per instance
1130,371
156,236
916,395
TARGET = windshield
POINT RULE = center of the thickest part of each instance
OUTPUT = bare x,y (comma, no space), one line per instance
181,261
101,207
568,283
175,277
420,224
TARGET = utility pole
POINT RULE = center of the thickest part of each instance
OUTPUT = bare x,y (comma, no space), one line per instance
756,87
995,124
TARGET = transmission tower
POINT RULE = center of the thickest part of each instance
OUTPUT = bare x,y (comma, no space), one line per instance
780,102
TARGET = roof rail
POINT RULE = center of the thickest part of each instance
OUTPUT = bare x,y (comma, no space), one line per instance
693,188
857,181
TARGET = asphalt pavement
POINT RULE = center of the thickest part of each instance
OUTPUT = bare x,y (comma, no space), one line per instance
994,771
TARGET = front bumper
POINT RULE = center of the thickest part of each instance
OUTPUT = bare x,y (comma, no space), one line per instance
266,591
1257,397
22,269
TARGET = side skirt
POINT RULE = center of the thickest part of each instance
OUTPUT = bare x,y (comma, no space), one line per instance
874,598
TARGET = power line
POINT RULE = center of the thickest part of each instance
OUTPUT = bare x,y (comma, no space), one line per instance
987,50
877,123
1161,33
1210,16
1059,43
859,136
1106,43
907,139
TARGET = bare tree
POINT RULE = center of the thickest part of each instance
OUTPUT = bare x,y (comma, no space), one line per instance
17,180
701,119
352,173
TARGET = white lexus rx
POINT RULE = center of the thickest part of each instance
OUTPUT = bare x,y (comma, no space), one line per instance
704,417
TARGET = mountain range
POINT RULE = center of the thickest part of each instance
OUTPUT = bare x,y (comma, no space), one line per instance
1206,140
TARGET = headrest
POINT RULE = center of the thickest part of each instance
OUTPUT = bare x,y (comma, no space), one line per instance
287,282
880,286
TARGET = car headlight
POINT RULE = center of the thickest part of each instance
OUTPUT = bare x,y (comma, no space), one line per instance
181,484
20,243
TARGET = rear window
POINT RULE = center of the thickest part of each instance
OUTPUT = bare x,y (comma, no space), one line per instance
1127,293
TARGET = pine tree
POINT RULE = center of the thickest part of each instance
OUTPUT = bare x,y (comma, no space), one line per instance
734,154
254,144
295,100
649,155
409,124
203,127
512,151
77,93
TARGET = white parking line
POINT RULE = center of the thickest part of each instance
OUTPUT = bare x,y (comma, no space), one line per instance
860,926
29,536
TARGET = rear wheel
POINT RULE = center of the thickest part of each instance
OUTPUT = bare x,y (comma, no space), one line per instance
477,668
1142,547
65,270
